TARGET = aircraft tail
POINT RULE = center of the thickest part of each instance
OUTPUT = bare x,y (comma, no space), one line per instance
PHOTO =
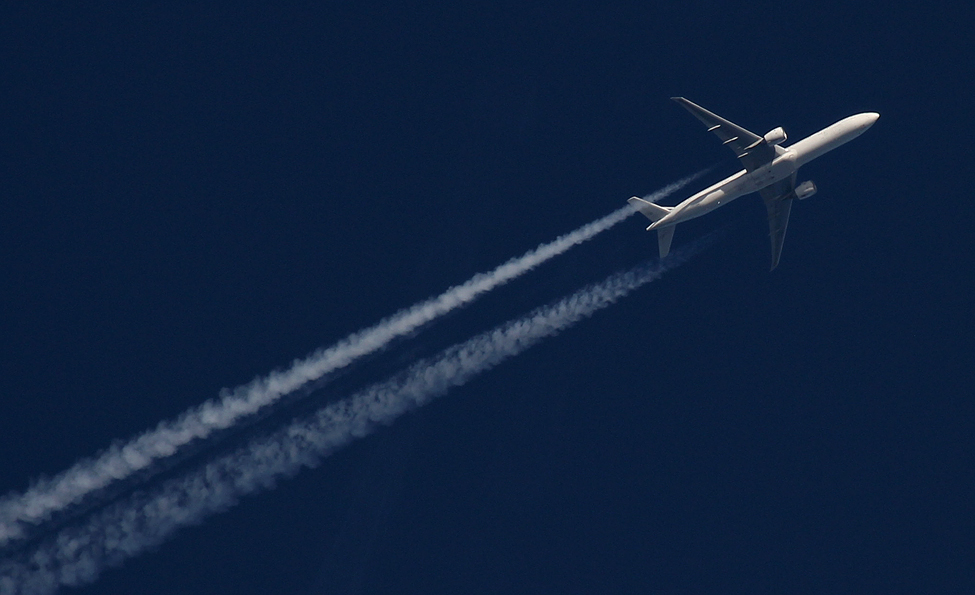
664,236
655,212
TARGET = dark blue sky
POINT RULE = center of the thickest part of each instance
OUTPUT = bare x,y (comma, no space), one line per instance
192,196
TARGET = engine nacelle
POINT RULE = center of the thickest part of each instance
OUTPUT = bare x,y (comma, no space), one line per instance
776,136
805,190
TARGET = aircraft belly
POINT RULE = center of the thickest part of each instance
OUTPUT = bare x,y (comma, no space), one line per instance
778,170
708,203
770,169
740,184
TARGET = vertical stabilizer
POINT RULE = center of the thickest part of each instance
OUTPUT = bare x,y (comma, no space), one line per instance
664,236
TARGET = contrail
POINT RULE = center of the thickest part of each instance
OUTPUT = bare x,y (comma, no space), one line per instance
77,555
21,513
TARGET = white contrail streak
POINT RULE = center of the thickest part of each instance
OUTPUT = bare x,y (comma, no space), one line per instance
77,555
19,513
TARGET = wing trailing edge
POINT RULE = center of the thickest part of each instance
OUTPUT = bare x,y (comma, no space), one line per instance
778,200
751,149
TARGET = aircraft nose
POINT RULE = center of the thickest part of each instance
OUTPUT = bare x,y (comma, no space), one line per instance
869,118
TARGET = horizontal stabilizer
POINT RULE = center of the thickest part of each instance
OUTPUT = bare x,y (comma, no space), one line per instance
654,212
665,235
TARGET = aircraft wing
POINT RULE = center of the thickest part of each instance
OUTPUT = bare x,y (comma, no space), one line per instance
749,147
778,199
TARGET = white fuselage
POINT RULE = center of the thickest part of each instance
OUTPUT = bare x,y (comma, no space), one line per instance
785,164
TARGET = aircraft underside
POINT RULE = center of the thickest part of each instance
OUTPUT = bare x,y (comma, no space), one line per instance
770,170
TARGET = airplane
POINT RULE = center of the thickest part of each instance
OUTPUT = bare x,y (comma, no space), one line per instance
770,170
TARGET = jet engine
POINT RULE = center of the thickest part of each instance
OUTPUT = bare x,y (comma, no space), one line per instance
776,136
805,190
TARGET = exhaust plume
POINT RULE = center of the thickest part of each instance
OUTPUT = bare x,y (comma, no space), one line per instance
77,555
21,513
